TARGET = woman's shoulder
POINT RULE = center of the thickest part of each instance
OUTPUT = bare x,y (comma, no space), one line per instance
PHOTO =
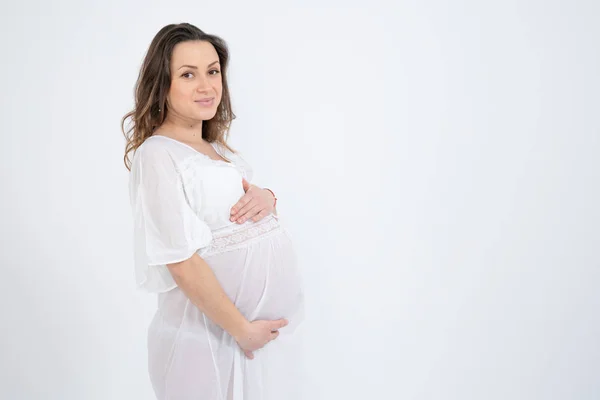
157,159
161,149
158,144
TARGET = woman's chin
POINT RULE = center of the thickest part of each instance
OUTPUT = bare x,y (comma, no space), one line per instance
206,115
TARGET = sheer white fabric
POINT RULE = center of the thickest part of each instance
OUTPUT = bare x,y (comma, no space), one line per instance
181,201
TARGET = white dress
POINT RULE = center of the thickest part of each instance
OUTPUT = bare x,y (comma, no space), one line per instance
181,201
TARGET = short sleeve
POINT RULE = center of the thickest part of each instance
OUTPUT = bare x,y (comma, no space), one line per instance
166,228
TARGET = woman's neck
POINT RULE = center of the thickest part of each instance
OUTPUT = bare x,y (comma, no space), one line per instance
189,131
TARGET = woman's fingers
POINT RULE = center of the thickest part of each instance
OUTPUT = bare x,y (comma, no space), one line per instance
242,209
262,332
242,202
255,204
247,213
259,216
278,324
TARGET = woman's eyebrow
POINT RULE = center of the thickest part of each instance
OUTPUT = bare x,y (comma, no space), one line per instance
194,67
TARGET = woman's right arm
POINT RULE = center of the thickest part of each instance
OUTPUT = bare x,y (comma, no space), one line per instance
198,282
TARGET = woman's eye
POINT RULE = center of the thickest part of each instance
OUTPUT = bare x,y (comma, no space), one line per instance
187,73
216,71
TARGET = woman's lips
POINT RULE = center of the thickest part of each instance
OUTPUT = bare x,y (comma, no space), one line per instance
205,103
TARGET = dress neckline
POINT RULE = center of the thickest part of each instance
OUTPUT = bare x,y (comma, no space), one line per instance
213,144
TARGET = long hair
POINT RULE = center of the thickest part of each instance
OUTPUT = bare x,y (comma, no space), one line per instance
154,82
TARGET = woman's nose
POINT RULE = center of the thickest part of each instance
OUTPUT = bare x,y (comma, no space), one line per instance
202,84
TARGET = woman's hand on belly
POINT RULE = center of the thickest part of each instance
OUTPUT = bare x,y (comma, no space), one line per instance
257,334
256,204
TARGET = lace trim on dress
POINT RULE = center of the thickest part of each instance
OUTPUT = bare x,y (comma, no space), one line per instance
226,239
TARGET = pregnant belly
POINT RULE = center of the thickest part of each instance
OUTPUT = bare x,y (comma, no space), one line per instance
259,272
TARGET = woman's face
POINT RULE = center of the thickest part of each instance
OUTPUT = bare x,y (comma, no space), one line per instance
196,85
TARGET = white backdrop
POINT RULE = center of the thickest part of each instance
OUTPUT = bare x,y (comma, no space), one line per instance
436,162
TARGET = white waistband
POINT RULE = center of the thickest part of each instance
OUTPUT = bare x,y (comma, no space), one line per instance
227,239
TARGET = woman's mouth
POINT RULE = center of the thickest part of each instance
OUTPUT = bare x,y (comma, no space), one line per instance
205,102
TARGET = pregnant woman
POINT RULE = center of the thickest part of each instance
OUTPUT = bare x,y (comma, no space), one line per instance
208,242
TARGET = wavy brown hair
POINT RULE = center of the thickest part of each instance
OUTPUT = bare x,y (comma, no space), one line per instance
154,82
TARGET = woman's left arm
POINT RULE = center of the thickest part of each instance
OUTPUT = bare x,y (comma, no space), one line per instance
256,204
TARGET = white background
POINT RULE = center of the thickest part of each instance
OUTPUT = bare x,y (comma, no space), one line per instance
437,164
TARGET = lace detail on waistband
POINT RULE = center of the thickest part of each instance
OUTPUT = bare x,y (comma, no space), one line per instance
230,240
